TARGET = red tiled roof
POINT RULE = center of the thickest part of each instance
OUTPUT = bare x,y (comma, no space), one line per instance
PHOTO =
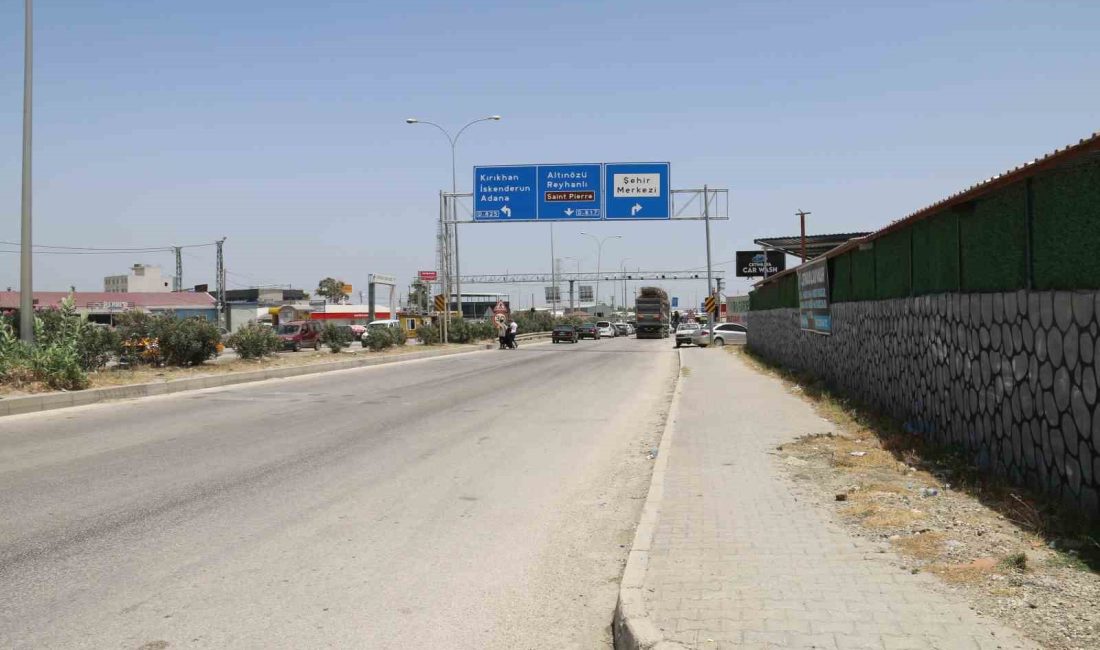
148,300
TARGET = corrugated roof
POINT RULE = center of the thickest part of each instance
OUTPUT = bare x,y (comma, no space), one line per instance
816,245
1089,145
146,300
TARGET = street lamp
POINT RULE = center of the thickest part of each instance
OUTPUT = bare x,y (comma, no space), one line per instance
599,251
453,140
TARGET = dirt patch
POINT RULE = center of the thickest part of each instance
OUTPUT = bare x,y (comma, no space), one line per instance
1009,553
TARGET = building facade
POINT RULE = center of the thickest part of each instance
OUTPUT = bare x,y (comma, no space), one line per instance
142,278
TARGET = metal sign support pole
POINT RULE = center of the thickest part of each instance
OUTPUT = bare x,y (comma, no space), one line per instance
706,220
444,268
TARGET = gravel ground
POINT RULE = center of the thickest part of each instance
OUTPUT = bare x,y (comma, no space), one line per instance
993,546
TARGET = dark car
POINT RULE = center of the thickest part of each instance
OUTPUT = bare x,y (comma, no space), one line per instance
588,331
564,333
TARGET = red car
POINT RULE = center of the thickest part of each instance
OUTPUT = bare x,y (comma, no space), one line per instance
300,334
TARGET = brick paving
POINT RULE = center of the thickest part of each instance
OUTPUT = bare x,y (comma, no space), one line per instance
738,560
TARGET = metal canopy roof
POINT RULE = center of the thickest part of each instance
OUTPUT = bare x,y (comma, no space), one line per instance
816,245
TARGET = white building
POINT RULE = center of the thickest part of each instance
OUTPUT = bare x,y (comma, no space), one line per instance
141,278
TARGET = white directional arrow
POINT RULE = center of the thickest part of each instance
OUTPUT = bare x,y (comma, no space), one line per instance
507,211
636,209
569,212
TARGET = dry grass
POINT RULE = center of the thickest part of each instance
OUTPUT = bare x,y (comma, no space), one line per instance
923,546
888,446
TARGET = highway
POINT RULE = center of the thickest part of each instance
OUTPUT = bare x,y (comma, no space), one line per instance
478,501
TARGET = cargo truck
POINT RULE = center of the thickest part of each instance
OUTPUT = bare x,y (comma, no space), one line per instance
652,313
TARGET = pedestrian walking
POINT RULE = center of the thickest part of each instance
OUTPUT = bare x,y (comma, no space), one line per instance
513,329
502,333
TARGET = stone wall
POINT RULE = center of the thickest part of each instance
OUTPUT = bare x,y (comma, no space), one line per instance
1011,377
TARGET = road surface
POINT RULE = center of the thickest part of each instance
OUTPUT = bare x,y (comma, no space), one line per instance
478,501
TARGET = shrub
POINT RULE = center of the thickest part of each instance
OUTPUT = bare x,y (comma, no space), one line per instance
379,338
399,336
187,342
428,334
255,341
97,344
335,337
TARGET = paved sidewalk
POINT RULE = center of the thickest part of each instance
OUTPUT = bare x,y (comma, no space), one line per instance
737,560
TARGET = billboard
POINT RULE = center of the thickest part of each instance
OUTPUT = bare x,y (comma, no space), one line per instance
813,297
553,294
586,293
429,276
760,264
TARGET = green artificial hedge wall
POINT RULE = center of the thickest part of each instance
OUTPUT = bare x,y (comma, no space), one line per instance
1066,227
840,278
863,274
981,246
994,242
936,254
892,265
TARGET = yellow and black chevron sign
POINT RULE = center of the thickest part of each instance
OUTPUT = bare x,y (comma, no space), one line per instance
711,304
440,303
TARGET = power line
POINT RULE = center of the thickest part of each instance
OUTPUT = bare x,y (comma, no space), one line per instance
142,249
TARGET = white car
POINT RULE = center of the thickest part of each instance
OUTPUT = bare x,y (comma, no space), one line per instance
721,334
606,329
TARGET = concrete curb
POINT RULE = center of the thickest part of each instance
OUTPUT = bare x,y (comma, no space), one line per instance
51,401
631,628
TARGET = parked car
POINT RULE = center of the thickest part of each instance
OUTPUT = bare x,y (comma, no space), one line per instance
300,334
387,323
622,329
685,333
606,329
720,334
564,333
588,331
630,329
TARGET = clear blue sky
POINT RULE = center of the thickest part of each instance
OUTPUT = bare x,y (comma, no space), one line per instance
280,125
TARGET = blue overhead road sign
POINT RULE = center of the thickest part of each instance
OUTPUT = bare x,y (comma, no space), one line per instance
637,191
570,192
579,192
505,193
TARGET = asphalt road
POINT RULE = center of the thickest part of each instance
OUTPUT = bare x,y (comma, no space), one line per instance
478,501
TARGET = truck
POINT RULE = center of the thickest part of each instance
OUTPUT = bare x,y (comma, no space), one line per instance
652,312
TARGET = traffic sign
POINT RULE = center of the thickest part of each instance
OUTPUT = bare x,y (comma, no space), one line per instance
505,193
439,302
675,301
572,192
637,191
429,276
711,304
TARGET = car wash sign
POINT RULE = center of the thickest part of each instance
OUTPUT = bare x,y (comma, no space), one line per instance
760,264
813,297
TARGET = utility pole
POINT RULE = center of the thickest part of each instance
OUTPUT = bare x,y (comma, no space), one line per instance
26,265
802,218
220,271
179,268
